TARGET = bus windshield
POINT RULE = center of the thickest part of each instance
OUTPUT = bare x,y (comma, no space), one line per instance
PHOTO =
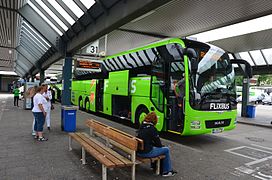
211,79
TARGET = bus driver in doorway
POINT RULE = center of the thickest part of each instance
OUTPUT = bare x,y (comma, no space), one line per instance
179,90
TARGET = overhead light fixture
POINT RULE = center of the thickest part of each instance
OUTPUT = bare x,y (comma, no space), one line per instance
10,51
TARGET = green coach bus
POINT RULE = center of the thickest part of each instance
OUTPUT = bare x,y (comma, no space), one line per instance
190,85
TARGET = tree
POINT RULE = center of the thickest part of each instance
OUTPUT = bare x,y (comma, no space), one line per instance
264,80
239,80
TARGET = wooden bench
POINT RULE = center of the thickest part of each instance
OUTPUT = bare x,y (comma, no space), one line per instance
118,149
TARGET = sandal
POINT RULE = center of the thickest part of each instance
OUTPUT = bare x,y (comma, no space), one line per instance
36,137
42,139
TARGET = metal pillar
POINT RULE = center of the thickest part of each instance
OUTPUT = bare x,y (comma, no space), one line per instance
67,78
245,97
41,76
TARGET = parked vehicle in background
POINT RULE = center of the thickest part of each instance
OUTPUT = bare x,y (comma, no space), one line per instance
267,100
260,98
257,99
255,95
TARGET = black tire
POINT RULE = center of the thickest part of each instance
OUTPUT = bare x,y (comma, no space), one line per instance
139,111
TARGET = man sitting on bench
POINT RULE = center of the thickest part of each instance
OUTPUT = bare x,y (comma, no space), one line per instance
152,143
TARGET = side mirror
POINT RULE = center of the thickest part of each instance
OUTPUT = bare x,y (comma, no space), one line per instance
244,67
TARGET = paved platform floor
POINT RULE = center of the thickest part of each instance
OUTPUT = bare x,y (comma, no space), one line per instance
263,116
22,157
236,154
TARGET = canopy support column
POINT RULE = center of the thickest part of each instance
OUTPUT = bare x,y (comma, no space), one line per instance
41,76
245,97
67,78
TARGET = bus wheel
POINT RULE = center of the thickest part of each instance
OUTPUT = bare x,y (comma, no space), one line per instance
140,114
87,106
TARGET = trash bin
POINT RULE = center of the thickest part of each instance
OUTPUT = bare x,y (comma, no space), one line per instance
68,118
251,111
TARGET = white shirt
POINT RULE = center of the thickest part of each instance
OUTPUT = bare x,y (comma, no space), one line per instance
38,99
48,102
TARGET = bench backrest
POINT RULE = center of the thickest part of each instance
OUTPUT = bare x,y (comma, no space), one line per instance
116,135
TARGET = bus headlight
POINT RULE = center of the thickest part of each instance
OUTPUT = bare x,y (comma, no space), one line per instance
195,124
235,121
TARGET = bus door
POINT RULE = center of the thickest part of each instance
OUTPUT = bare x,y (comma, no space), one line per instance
157,95
176,97
99,95
168,72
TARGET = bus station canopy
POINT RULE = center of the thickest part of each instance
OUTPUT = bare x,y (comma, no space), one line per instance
35,34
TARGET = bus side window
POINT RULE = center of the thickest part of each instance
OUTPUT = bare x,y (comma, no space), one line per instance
157,93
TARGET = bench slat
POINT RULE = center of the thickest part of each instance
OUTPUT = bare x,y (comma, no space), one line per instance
127,141
113,153
147,160
101,148
140,145
140,141
93,152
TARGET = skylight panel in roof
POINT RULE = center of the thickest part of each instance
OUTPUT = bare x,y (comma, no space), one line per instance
246,56
37,34
33,38
88,3
72,5
52,15
258,58
246,27
268,55
62,11
45,18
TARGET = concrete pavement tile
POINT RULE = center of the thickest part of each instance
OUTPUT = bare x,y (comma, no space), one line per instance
2,172
3,154
17,171
43,177
15,164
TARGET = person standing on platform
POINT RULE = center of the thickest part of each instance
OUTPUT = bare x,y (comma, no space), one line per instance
31,93
48,96
39,113
16,93
53,95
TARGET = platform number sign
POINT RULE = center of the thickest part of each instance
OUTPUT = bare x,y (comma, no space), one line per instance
93,48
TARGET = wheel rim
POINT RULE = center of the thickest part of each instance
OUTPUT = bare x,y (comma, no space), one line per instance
80,104
87,106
